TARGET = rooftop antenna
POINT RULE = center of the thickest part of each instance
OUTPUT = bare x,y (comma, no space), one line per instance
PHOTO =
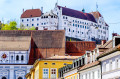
96,6
57,2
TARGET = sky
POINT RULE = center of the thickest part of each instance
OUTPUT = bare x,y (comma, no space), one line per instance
110,9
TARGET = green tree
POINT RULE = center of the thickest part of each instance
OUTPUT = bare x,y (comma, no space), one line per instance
11,26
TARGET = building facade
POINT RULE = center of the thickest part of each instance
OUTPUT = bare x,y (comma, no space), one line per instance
110,60
14,57
20,49
48,68
77,24
85,67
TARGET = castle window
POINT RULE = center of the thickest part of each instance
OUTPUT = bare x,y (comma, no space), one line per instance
22,57
27,19
27,24
32,19
17,57
51,16
37,19
73,24
66,17
69,30
37,24
32,24
22,20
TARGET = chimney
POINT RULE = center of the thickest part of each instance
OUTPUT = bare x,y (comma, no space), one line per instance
114,34
103,42
91,57
42,9
23,10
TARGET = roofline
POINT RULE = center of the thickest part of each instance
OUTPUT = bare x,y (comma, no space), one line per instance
89,67
109,52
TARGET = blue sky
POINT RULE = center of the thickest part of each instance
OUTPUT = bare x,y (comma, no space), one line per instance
110,9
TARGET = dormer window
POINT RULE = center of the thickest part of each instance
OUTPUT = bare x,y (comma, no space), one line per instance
51,16
116,41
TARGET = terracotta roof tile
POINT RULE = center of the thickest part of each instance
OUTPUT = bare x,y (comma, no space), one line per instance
109,51
31,13
89,65
64,57
108,44
78,48
96,14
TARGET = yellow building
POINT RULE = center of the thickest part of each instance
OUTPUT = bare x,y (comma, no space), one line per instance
71,71
48,68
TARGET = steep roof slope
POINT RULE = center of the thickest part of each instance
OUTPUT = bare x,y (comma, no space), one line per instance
77,14
31,13
78,48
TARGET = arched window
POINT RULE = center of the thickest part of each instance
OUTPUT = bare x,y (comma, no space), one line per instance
11,57
17,57
22,57
4,78
20,78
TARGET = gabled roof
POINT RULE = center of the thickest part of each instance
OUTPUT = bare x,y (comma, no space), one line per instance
77,14
96,14
109,51
89,65
31,13
107,45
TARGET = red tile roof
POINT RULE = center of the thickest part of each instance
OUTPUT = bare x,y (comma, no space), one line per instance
89,65
78,48
96,14
31,13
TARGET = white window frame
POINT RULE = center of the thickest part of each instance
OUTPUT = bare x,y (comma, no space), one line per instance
51,72
117,63
43,73
104,67
110,65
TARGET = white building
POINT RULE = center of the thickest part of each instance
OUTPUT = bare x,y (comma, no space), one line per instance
92,68
14,57
77,24
31,17
110,60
